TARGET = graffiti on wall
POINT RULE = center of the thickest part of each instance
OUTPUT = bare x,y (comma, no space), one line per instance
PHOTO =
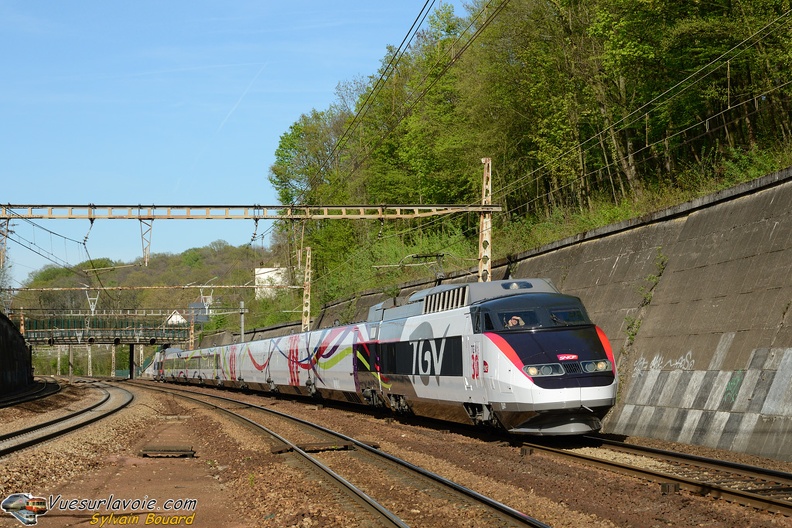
659,362
733,387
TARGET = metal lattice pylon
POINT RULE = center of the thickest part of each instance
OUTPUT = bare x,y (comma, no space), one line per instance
306,309
485,225
5,227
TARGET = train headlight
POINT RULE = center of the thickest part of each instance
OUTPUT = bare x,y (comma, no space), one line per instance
549,369
596,366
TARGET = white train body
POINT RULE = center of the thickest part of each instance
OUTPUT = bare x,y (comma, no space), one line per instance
445,353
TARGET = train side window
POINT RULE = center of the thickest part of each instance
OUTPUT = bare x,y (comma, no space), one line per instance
481,321
488,326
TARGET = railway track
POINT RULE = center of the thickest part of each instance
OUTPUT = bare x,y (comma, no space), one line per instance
361,470
761,488
41,388
114,399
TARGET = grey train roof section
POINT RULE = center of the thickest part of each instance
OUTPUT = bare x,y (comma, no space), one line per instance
451,296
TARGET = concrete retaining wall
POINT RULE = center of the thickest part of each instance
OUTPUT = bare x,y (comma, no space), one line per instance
711,361
696,301
15,360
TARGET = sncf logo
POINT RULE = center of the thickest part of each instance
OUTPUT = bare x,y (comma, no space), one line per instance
567,357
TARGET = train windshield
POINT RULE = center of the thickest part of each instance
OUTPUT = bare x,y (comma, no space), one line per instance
531,312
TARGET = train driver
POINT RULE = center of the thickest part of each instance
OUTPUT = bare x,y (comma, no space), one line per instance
515,320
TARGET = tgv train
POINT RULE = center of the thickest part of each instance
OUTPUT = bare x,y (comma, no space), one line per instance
513,354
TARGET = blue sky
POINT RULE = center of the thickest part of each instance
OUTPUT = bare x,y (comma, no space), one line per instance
169,103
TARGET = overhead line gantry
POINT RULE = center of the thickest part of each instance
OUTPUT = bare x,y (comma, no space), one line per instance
146,214
233,212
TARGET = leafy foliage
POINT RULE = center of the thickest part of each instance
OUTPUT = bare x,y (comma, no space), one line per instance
591,112
169,282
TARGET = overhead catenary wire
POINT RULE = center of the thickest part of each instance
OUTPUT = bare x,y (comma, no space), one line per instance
377,87
38,250
452,59
677,89
425,85
697,76
693,126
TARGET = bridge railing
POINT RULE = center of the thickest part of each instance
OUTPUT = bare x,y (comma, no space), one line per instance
116,336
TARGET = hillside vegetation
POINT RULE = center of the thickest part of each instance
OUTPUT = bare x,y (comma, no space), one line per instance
592,112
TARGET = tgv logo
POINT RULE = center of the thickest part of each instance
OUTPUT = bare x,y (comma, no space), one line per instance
428,356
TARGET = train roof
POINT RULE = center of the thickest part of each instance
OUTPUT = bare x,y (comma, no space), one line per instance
451,296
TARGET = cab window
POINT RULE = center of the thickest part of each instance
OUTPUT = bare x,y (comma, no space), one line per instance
519,319
568,316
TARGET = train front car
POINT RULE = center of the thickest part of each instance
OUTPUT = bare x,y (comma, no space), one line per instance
548,369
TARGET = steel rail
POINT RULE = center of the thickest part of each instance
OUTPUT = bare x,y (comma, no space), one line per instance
752,471
59,432
483,499
41,391
745,498
33,428
359,494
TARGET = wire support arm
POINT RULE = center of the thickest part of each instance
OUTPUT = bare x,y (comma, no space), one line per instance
232,212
